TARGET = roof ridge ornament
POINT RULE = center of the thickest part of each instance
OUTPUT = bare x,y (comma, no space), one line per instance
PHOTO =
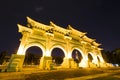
76,32
24,28
38,25
58,28
69,27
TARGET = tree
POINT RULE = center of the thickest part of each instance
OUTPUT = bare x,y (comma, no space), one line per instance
116,56
107,56
2,56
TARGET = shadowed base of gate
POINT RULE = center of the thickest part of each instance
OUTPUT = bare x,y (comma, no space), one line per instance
16,63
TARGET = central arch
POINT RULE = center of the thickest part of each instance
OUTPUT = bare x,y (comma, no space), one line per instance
77,55
60,47
58,54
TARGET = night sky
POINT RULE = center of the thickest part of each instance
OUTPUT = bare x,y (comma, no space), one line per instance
99,18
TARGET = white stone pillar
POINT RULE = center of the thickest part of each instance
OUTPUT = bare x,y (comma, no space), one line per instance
22,43
84,62
68,56
45,63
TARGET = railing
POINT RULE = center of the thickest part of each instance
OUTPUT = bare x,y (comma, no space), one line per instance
3,67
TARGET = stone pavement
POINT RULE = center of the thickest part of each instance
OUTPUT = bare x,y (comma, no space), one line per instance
64,74
110,75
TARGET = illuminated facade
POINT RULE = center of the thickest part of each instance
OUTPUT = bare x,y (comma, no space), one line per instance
48,37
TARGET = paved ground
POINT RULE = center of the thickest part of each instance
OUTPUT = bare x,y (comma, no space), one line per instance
64,74
108,75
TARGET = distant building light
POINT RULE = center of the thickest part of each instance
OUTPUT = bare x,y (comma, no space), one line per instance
115,65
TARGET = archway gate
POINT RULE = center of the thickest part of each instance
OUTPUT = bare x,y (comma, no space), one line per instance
48,37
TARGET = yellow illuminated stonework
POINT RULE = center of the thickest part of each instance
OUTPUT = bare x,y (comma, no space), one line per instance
48,37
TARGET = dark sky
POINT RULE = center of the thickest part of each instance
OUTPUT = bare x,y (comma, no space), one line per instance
99,18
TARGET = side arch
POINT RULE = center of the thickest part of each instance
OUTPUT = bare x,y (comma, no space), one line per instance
100,58
58,46
90,56
96,58
34,44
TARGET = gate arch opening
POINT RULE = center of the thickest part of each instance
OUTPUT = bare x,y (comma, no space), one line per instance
33,55
77,55
57,55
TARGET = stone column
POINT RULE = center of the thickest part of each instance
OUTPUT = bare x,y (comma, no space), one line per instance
46,63
23,42
66,63
73,64
46,60
84,63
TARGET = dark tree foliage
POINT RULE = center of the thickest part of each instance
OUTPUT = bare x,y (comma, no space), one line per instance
116,56
2,56
112,57
106,56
